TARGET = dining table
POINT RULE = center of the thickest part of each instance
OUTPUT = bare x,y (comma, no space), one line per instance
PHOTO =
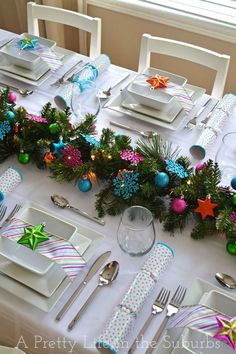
36,331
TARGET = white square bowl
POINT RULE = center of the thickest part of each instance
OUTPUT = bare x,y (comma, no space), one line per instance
220,302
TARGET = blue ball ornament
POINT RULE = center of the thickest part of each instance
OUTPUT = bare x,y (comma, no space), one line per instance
233,182
10,115
84,184
161,179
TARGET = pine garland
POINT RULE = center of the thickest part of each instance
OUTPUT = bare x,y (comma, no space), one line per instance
127,173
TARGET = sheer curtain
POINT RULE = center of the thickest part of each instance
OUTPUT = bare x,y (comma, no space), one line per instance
13,18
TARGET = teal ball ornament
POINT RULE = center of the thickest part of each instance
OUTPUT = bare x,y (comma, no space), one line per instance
233,182
84,184
10,115
161,179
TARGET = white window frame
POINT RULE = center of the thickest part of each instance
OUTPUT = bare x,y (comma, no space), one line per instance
223,28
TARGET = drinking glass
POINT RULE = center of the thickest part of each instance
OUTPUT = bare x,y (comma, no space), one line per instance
136,232
226,158
84,102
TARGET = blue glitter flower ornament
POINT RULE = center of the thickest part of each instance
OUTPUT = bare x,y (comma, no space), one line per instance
126,184
176,168
5,128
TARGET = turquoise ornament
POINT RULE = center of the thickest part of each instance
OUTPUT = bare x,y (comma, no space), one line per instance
84,184
233,182
10,115
27,43
161,179
57,147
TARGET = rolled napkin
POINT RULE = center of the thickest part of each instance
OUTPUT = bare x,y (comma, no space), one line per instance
213,127
9,180
114,335
88,74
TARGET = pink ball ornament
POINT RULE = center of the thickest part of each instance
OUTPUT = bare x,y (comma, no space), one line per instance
178,205
200,166
12,97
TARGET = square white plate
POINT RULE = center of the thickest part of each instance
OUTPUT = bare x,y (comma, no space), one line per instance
8,350
218,301
174,78
45,284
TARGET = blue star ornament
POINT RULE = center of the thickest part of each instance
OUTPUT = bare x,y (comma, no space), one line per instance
57,147
28,43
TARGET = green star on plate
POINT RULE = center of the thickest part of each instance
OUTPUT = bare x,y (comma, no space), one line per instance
33,235
28,43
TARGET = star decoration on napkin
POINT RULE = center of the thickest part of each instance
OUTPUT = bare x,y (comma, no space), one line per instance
226,330
28,43
205,207
158,81
33,235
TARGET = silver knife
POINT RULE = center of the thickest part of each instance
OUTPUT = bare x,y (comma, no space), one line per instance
202,108
92,271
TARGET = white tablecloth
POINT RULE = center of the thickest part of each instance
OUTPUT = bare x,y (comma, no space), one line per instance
36,331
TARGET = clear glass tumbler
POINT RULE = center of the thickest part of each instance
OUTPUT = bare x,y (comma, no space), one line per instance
136,232
226,158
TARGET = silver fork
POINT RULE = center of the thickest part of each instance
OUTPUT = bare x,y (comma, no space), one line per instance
3,209
193,122
172,309
60,81
12,213
157,307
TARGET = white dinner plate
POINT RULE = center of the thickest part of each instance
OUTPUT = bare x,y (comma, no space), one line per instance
45,284
32,297
218,301
146,116
33,75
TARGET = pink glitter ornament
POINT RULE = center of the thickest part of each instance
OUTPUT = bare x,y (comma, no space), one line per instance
199,166
12,97
178,205
71,156
35,118
132,156
233,216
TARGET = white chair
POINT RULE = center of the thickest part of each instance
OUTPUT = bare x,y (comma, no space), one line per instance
89,24
218,62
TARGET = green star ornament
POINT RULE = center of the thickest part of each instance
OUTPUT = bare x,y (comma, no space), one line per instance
28,43
33,235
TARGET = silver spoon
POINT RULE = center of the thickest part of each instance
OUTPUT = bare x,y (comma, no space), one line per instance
226,280
103,94
62,202
23,93
144,134
107,275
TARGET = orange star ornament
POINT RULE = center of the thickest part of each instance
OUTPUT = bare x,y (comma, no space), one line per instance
158,81
205,207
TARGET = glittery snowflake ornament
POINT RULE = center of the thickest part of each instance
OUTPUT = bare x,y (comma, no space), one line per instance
132,156
71,156
126,184
176,168
5,128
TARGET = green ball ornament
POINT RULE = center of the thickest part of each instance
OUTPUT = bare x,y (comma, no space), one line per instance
161,179
234,199
84,184
54,128
231,247
24,158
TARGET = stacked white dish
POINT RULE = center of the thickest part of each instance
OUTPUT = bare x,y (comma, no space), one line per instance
193,341
157,106
25,64
33,277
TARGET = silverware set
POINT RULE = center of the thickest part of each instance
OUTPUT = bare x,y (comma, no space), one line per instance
145,134
3,210
61,79
22,92
196,120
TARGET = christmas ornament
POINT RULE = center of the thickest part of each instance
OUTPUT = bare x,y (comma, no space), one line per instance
91,140
231,247
234,199
71,157
233,182
132,156
36,118
5,128
126,184
178,205
57,147
205,207
199,166
176,168
158,81
33,235
54,128
12,97
28,43
24,157
49,158
161,179
226,330
10,115
84,184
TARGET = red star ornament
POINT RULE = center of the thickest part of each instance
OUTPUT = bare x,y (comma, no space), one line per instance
205,208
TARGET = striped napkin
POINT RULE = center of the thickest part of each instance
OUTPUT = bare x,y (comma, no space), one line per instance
57,249
181,95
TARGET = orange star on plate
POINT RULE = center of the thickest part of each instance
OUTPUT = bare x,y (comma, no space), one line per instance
205,208
158,81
